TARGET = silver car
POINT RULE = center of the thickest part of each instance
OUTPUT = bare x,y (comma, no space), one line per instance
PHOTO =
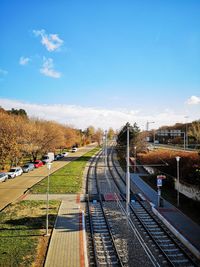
28,167
3,176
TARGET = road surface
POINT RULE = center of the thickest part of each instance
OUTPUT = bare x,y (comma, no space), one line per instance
12,189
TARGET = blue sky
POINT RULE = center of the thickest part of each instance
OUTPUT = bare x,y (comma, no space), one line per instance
101,62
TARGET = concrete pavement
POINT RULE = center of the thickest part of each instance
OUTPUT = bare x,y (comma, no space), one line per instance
184,227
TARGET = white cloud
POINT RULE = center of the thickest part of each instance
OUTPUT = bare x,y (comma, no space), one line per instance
3,72
51,41
193,100
48,68
24,60
81,117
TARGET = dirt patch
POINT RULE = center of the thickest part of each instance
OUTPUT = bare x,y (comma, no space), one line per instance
41,251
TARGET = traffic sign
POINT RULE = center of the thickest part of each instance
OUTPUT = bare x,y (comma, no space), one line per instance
159,182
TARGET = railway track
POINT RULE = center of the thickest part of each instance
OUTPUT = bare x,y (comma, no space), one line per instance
170,249
101,241
117,240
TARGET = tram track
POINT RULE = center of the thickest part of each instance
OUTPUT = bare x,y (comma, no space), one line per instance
173,252
112,234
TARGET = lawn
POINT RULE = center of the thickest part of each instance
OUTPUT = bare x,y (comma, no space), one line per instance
22,233
66,180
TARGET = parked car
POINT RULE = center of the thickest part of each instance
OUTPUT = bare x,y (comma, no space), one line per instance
38,163
65,154
28,167
58,156
74,149
3,176
15,171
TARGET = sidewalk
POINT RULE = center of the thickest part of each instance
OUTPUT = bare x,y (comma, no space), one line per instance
183,224
66,244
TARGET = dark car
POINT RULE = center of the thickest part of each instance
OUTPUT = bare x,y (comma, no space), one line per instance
28,167
58,156
3,177
38,163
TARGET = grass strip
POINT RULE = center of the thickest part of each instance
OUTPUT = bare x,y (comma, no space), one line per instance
22,232
67,179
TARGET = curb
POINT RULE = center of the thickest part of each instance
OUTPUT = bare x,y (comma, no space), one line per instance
184,240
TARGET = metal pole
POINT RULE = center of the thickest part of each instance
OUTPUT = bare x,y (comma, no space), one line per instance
135,159
105,146
47,210
184,136
177,159
159,194
127,174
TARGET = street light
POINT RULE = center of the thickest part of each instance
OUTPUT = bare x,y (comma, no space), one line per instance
149,122
186,135
47,210
127,172
135,155
177,160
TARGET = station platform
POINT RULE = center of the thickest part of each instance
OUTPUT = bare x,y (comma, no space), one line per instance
185,227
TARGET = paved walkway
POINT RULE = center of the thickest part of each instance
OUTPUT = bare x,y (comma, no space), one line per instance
183,224
66,244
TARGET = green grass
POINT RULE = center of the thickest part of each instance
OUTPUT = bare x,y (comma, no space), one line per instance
22,228
66,180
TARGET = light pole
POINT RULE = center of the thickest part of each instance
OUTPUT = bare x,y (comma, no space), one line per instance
127,173
47,210
135,155
148,122
177,160
186,135
105,146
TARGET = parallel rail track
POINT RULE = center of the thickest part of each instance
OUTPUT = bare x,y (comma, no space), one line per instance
105,244
172,250
101,240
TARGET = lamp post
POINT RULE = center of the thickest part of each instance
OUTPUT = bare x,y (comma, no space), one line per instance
186,135
127,173
148,122
47,210
105,146
177,160
135,155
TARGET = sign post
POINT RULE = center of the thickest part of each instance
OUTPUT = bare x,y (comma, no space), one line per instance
159,185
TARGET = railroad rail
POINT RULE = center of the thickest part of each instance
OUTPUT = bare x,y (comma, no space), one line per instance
115,239
173,252
101,241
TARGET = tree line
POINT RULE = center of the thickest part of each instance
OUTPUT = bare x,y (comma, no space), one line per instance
21,136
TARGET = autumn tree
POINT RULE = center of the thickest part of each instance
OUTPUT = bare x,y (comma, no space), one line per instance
194,131
89,133
111,133
11,138
98,136
43,136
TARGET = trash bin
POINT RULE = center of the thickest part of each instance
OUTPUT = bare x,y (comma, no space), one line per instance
161,203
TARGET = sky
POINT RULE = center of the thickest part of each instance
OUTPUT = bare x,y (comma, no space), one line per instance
101,63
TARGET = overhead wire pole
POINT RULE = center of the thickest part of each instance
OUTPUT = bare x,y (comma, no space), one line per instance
127,174
105,154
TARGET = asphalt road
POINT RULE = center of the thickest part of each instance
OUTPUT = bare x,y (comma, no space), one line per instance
12,189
